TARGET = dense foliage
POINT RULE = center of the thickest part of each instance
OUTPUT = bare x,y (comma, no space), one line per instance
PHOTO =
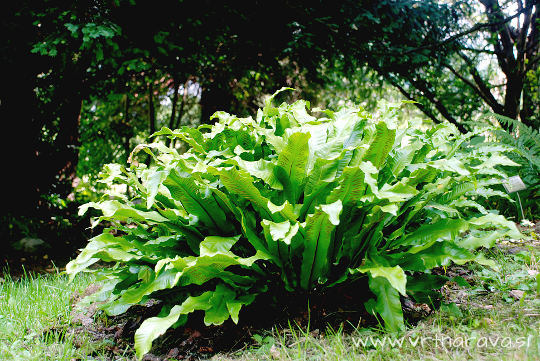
525,143
296,201
456,59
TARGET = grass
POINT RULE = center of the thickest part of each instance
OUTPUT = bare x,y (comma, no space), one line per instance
35,319
490,322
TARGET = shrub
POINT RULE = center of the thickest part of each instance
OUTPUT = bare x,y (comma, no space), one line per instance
525,150
296,201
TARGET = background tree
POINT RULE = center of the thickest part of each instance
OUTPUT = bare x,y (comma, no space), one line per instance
86,81
456,58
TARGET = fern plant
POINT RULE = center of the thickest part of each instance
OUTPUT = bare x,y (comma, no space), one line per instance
298,202
525,150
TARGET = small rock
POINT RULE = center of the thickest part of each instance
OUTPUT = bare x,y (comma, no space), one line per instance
173,353
274,352
487,321
517,294
150,357
31,245
90,290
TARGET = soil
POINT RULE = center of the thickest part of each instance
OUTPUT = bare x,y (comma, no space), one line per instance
341,307
18,264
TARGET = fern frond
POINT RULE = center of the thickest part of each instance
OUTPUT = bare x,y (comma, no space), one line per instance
523,138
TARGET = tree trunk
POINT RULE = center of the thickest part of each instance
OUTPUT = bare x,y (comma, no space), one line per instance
127,135
151,109
178,120
514,88
216,96
176,86
127,130
66,155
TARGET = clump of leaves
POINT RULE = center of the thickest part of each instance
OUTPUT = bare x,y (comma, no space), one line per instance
525,150
296,201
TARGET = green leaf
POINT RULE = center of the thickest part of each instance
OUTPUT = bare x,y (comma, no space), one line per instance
152,185
104,246
395,275
351,186
280,232
262,169
423,287
387,303
184,189
133,295
222,302
154,327
318,242
292,163
213,245
381,145
451,309
268,102
123,212
218,305
440,254
241,184
191,136
444,229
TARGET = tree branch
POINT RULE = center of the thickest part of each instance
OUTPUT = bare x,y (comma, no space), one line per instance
500,26
475,28
522,37
420,106
423,88
481,84
488,98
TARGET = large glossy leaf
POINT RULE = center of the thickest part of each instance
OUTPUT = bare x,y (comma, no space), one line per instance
191,136
318,242
154,327
439,254
444,229
218,305
351,186
387,303
291,165
104,247
123,212
394,275
240,183
381,145
262,169
165,280
186,191
153,183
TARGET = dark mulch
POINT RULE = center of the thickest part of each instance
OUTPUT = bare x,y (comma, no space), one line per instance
18,264
340,307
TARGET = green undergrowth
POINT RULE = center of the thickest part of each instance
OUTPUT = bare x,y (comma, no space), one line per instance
483,322
35,318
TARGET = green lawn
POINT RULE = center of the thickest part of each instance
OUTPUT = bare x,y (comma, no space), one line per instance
493,320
